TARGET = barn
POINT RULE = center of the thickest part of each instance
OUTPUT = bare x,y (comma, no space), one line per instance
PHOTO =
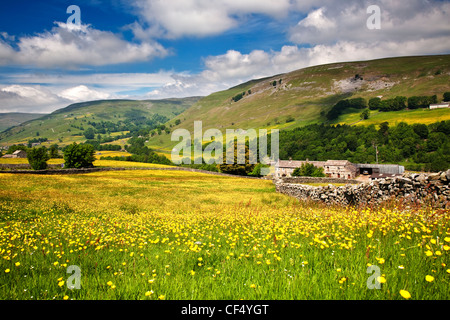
16,154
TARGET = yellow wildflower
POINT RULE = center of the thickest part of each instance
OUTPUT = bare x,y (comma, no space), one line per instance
405,294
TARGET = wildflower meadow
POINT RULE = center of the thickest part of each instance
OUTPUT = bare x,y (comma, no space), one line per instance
175,235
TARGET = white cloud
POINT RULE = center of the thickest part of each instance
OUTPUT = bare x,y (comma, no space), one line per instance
83,93
16,98
177,18
346,21
72,46
26,98
109,82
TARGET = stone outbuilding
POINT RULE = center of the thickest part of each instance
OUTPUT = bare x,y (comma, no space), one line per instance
16,154
285,168
340,169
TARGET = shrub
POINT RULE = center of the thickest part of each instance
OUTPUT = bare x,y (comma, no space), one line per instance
447,96
79,156
416,102
308,170
237,97
290,119
365,114
37,158
374,103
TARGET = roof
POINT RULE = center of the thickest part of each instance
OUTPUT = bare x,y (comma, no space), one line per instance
440,104
340,163
18,151
297,164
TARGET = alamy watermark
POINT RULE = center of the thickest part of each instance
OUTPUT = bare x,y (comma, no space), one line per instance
373,281
235,142
374,21
75,18
74,281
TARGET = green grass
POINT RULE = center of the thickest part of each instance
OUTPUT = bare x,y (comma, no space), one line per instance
190,236
425,116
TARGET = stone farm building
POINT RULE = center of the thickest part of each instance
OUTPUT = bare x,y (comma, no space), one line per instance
340,169
16,154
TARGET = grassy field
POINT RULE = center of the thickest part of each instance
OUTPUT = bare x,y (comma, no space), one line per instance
180,235
425,116
97,163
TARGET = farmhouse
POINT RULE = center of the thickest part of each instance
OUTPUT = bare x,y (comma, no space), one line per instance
440,105
285,168
340,169
16,154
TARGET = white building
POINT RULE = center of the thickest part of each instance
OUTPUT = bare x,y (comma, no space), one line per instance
440,105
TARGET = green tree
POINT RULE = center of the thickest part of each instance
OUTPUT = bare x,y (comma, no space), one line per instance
37,158
447,96
79,156
308,170
374,103
89,134
257,170
421,130
236,168
365,114
53,151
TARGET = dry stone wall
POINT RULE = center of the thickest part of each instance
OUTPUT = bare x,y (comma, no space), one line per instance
409,189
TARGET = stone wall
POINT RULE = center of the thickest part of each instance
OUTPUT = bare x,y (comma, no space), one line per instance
21,166
57,170
409,190
317,180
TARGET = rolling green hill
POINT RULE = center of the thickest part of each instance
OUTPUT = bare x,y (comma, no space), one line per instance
69,124
304,96
284,101
8,120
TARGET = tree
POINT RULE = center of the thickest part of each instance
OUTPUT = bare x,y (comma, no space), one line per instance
79,156
416,102
374,103
89,134
53,151
421,130
37,158
447,96
236,168
308,170
257,170
365,114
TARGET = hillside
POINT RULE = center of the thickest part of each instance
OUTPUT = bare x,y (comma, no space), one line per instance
110,118
304,96
284,101
8,120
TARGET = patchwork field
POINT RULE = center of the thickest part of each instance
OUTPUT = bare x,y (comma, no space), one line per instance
179,235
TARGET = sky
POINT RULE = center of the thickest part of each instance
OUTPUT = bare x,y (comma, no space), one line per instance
51,57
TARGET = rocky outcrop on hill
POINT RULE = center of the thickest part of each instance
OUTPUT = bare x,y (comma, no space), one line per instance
409,189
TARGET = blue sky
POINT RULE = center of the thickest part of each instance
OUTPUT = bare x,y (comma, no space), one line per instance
152,49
